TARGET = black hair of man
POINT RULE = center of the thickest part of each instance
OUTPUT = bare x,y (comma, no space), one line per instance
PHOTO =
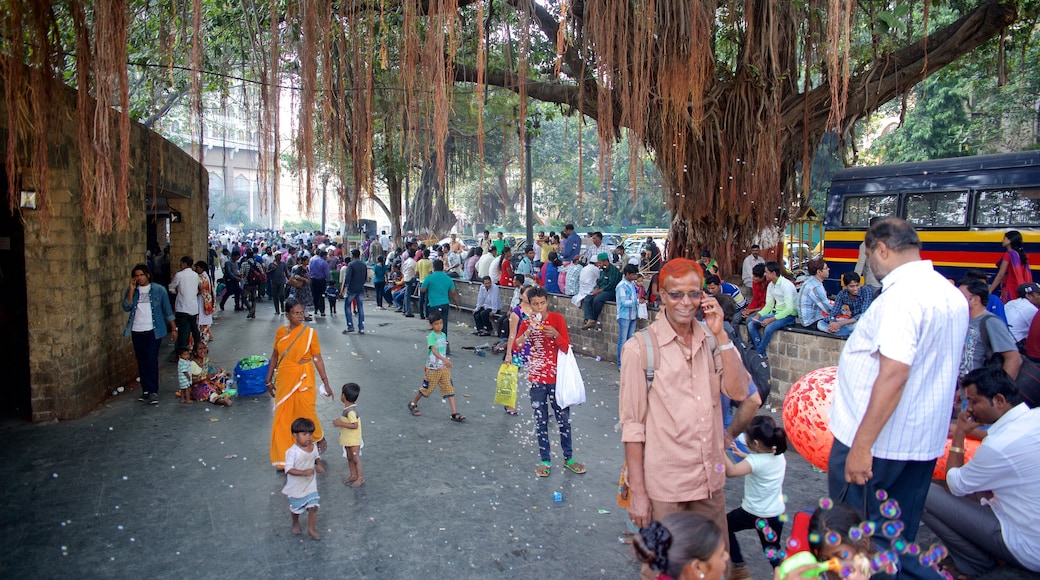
775,268
712,279
355,253
438,265
630,269
849,277
976,287
990,382
758,270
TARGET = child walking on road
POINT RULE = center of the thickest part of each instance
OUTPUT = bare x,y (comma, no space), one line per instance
302,462
350,433
438,369
763,503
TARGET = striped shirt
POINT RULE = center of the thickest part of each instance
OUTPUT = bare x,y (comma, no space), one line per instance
919,320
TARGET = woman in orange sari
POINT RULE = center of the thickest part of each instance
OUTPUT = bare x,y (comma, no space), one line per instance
290,380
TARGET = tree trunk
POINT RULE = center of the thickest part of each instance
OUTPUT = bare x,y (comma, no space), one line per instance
429,213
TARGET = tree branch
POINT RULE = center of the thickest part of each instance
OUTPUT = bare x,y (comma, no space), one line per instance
901,70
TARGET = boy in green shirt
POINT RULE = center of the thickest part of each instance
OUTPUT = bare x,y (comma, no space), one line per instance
438,369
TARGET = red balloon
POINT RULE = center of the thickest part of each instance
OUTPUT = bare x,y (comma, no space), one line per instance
807,415
807,420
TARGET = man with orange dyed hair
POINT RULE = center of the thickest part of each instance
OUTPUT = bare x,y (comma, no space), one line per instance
675,459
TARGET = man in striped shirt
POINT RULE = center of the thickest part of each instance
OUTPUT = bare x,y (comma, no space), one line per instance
896,380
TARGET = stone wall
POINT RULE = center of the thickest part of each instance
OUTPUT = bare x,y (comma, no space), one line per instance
75,277
792,353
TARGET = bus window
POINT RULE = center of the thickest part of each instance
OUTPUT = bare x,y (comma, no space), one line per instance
858,210
936,209
1008,207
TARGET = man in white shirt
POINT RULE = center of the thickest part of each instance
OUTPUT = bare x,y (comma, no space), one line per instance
753,259
489,302
454,262
1020,311
897,375
595,247
485,261
410,279
186,308
1002,474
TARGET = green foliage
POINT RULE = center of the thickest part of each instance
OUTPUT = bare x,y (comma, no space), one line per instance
301,226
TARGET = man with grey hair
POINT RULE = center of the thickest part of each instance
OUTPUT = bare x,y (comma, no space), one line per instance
897,375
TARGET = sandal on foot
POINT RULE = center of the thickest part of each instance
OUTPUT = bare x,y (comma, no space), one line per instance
414,409
575,466
457,418
543,469
512,412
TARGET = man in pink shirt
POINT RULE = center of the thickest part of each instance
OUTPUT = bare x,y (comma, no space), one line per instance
675,458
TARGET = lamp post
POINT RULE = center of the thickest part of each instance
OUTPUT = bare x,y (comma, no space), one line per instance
530,125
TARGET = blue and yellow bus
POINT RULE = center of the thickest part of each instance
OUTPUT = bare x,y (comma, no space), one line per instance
961,208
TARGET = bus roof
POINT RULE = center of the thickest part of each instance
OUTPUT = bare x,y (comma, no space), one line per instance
976,171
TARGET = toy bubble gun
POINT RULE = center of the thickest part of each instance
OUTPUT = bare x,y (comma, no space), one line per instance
807,559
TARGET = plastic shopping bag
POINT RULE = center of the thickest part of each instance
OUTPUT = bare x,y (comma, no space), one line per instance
570,388
505,387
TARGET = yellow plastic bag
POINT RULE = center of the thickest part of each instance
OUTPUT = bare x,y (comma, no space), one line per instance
505,387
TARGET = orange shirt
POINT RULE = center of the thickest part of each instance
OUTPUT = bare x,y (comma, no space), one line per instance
679,420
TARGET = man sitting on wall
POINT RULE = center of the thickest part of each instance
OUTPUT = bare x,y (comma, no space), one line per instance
489,302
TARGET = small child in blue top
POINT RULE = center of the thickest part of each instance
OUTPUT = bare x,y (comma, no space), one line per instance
349,424
763,502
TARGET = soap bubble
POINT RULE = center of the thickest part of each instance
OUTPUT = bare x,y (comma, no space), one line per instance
833,539
892,528
881,495
826,503
761,524
890,509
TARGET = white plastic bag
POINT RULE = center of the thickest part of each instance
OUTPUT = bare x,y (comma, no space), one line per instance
570,388
641,311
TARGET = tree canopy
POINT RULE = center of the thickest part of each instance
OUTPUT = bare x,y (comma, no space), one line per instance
731,99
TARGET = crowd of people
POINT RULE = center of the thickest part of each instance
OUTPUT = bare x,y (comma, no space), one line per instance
925,361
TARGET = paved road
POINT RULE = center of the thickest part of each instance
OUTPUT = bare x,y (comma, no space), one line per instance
179,491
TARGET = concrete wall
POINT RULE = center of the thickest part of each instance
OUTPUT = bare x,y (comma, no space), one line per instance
792,353
75,277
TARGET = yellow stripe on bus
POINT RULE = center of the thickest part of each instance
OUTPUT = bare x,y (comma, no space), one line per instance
966,236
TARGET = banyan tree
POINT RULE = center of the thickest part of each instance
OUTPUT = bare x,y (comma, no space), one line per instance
730,98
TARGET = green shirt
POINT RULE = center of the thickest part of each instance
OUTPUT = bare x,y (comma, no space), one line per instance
608,278
436,341
437,287
499,245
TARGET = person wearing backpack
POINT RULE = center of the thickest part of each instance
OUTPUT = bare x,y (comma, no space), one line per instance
672,458
252,274
987,334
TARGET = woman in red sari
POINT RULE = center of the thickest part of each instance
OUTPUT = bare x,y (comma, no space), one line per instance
1013,267
290,380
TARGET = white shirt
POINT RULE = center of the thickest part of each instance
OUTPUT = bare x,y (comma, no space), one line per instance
489,298
299,486
484,264
408,269
143,317
1019,313
763,487
186,284
495,269
593,252
919,320
746,270
1007,463
586,282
